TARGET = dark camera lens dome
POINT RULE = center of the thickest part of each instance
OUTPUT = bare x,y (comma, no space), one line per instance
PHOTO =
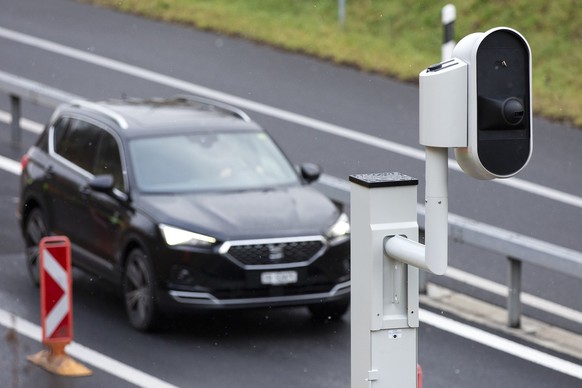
513,111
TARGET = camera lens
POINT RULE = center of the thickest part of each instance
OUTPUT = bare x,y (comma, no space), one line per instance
513,111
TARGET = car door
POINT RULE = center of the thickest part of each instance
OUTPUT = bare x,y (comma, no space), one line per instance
74,143
108,210
75,148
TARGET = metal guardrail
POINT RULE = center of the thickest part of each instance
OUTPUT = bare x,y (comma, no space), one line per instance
517,248
19,89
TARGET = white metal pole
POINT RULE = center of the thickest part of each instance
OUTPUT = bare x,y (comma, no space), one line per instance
433,255
436,209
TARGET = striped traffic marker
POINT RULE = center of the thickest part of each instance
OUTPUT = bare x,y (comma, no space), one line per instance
56,308
448,17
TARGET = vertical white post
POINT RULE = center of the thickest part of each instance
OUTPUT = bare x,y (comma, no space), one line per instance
436,223
448,16
341,12
384,291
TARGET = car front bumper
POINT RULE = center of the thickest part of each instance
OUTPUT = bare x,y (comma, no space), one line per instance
208,300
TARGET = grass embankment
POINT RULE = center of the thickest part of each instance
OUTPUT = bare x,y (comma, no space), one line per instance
398,38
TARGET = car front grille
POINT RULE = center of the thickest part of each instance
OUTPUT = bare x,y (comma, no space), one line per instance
275,252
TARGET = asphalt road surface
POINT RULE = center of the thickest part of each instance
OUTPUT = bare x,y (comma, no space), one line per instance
263,348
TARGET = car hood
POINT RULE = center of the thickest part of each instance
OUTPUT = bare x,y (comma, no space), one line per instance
283,212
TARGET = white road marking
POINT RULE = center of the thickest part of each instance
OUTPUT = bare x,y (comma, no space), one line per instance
319,125
9,165
501,344
86,355
29,125
139,378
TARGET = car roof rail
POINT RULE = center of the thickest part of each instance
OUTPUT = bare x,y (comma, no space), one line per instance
119,119
216,104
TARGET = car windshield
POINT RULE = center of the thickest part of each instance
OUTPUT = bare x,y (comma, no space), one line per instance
210,161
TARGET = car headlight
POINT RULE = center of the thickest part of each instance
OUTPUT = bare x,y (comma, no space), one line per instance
341,228
176,236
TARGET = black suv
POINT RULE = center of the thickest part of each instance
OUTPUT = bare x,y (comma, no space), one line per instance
185,203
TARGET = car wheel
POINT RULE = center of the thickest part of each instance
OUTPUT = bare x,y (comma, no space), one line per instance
139,292
329,310
34,230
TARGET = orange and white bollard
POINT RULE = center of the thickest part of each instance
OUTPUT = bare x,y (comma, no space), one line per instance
56,308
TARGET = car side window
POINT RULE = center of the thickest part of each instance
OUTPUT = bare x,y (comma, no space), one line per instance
43,141
59,130
108,160
77,143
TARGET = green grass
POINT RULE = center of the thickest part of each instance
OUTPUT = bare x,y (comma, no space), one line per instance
398,38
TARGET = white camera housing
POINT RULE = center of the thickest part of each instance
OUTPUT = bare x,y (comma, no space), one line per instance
479,102
499,122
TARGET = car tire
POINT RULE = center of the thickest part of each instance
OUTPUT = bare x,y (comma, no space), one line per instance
34,230
139,292
324,311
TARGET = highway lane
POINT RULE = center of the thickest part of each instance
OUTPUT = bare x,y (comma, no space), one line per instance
259,348
261,70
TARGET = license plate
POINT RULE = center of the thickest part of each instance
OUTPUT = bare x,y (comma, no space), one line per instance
279,278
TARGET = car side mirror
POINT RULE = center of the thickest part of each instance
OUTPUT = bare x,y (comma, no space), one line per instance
310,172
102,183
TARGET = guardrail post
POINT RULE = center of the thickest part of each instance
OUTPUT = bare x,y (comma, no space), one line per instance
514,295
16,113
422,282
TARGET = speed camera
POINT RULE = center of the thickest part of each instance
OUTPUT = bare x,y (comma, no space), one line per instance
499,132
480,103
